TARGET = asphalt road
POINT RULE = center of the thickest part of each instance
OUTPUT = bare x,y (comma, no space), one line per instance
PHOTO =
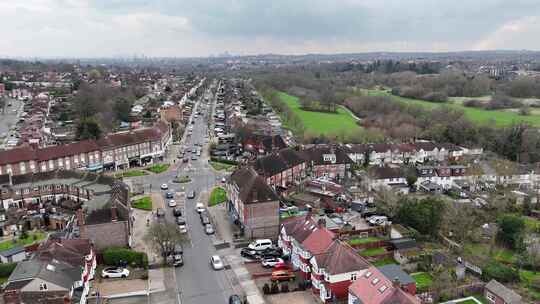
9,117
196,281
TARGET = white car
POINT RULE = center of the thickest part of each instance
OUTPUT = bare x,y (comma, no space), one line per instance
199,207
172,203
271,262
164,187
115,272
216,262
182,228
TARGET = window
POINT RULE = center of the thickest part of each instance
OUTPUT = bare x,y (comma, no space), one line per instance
382,288
375,281
490,297
353,276
368,274
42,286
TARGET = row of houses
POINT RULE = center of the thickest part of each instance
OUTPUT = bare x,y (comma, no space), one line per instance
112,152
336,270
59,271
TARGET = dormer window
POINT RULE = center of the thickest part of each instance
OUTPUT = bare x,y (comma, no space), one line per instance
375,281
353,276
368,274
382,288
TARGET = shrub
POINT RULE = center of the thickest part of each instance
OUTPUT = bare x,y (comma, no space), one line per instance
114,256
266,288
275,288
525,111
6,269
224,160
435,97
284,287
473,103
499,272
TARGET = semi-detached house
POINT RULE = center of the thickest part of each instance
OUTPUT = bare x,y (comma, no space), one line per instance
282,168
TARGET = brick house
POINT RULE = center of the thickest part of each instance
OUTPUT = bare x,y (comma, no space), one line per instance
18,161
315,244
84,155
385,177
260,144
335,270
497,293
373,287
281,168
253,204
328,160
399,278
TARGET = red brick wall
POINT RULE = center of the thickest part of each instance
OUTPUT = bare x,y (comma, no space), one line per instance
340,289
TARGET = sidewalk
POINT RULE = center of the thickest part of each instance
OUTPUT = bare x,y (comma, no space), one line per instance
248,285
225,229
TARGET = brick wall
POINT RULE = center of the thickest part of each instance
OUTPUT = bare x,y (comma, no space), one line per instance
262,220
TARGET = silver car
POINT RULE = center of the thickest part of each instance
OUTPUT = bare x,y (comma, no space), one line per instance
216,262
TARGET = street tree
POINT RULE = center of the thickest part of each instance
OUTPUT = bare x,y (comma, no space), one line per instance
511,228
163,236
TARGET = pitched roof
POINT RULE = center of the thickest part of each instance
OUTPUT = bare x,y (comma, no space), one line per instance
252,187
316,154
13,156
340,258
280,161
70,251
60,151
508,295
385,172
318,241
11,251
302,230
374,288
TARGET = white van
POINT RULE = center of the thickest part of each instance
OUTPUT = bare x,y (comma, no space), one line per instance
259,245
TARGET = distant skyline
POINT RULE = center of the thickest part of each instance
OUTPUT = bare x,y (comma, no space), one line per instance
180,28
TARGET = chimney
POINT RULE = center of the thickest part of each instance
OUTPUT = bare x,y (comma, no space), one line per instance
114,213
81,223
395,283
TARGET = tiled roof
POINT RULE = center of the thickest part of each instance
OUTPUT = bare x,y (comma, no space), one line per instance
17,155
252,187
341,258
393,271
374,288
318,241
385,172
71,251
316,155
508,295
278,162
54,152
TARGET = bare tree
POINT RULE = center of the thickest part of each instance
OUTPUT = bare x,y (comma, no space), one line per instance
164,236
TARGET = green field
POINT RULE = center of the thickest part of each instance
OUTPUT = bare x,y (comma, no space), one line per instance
321,122
217,196
158,168
30,239
501,118
372,251
144,203
366,240
222,166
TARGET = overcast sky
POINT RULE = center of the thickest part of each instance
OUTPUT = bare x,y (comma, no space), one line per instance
91,28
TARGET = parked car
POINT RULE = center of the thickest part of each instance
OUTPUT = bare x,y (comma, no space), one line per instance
115,272
271,252
235,299
216,262
282,275
178,249
199,207
209,229
160,212
177,211
271,262
178,260
260,245
172,203
191,194
180,221
164,187
182,228
281,266
249,254
169,195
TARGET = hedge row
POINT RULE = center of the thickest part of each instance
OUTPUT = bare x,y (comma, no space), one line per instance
224,160
115,256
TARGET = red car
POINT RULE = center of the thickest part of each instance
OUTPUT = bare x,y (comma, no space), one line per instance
281,266
282,275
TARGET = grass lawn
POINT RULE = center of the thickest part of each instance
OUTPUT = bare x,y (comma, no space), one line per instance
158,168
132,173
423,280
482,250
532,224
385,261
501,118
372,251
144,203
32,238
366,240
222,166
217,196
182,179
321,122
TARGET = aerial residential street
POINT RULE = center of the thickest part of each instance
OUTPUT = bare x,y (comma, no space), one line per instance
196,281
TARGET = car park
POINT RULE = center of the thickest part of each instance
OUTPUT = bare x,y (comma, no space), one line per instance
271,262
209,229
115,272
216,262
282,275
